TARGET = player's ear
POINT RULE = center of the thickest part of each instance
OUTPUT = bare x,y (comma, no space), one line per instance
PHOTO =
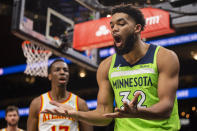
6,118
49,76
138,28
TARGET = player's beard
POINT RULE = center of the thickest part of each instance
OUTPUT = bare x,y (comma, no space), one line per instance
127,45
12,124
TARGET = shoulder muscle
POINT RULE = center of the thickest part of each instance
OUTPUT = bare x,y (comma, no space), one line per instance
167,61
103,69
35,106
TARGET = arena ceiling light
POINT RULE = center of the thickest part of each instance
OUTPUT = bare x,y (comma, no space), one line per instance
194,55
82,73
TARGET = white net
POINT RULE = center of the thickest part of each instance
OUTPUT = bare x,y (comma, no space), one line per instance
37,59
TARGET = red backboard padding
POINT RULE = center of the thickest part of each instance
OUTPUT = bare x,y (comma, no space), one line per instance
96,33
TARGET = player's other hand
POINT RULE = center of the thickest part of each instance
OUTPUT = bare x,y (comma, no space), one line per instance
129,110
61,110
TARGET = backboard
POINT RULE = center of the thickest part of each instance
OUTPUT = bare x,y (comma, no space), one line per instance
50,23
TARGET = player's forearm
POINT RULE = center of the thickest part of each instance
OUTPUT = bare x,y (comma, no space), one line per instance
93,118
161,110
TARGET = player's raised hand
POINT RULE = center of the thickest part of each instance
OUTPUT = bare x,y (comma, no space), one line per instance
129,110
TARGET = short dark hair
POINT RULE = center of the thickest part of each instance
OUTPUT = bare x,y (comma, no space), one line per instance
56,60
11,108
132,11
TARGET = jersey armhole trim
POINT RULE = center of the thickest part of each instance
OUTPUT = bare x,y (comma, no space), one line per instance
42,102
77,103
111,66
155,59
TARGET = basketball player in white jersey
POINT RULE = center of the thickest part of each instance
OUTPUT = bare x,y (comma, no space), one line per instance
12,118
59,76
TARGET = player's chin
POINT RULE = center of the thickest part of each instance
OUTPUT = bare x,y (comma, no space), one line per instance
62,85
13,123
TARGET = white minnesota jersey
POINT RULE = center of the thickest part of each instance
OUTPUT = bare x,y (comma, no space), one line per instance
49,122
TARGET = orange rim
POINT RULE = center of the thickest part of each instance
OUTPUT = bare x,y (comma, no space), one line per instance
26,42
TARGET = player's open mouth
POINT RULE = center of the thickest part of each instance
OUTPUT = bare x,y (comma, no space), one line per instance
62,80
118,41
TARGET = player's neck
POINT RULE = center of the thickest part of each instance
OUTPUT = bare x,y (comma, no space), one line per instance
138,51
12,128
59,94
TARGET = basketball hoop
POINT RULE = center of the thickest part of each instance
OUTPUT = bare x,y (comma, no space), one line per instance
37,59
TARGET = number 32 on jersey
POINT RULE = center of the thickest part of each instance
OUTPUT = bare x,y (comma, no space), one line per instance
125,97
